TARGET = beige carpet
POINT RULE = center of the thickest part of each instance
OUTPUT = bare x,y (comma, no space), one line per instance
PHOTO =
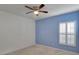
41,50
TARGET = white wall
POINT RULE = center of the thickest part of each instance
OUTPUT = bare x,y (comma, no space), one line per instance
15,32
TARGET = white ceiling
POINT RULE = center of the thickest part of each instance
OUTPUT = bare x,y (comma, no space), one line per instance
53,9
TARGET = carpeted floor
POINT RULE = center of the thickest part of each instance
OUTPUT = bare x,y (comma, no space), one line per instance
41,50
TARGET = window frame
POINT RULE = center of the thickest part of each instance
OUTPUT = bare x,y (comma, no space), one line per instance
67,34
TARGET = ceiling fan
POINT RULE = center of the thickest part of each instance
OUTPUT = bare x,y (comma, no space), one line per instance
36,9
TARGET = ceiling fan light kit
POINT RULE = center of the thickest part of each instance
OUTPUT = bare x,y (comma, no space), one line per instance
36,12
36,9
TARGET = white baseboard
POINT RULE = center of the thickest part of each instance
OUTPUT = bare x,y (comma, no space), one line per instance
12,50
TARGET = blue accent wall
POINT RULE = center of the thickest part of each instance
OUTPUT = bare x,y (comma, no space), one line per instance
47,30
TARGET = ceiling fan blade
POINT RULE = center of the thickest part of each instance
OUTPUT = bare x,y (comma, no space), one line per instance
44,11
41,6
29,7
29,12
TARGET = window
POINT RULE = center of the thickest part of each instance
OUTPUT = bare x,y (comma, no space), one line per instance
67,35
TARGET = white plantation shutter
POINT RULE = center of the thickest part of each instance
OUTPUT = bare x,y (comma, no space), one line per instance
62,39
67,33
71,34
62,32
63,28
